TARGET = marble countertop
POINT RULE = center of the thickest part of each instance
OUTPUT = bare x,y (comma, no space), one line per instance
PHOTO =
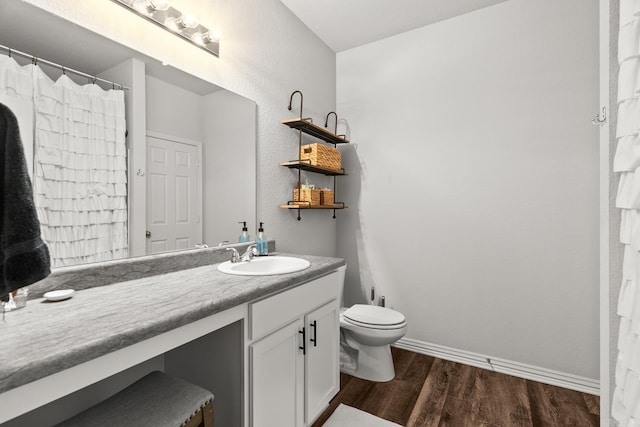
48,337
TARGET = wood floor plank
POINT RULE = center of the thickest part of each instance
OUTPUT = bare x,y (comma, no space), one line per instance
431,392
402,361
398,403
356,393
465,413
432,397
543,411
482,397
508,398
556,406
593,403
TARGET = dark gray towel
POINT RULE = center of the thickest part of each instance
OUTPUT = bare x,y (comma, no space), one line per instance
24,257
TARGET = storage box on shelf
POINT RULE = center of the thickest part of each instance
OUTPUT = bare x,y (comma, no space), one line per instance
327,197
306,196
313,197
321,156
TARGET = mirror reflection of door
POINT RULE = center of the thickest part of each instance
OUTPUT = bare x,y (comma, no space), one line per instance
174,195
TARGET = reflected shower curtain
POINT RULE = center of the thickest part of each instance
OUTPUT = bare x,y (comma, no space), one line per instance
626,398
80,176
80,170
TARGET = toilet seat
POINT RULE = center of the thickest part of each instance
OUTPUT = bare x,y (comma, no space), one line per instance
374,317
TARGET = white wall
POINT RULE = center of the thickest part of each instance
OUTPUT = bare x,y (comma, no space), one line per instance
131,73
229,154
173,111
474,181
266,53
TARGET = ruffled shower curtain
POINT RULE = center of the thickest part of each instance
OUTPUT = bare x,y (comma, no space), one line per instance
626,398
80,176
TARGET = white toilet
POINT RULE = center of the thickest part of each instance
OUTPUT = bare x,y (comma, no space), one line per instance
366,332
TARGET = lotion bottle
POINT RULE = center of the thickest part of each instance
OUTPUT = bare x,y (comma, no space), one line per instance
261,242
244,237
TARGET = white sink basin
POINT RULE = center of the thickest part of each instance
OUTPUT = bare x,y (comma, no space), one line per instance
265,266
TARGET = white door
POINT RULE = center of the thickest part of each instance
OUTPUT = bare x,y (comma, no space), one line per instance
322,369
173,195
277,378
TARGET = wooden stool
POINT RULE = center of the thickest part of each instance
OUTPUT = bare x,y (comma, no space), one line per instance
156,400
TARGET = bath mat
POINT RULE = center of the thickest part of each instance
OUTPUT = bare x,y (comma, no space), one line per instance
346,416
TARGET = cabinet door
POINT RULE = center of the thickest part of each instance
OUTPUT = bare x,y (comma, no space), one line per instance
323,359
277,378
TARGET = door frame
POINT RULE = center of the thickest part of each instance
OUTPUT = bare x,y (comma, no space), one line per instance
605,221
199,190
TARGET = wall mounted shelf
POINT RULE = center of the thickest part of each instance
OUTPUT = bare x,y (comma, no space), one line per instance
293,206
305,166
308,127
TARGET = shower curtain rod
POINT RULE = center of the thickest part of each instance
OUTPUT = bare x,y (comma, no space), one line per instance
35,60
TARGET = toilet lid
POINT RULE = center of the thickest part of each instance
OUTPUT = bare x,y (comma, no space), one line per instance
374,315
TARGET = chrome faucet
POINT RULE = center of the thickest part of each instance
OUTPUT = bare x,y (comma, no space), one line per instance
235,256
246,256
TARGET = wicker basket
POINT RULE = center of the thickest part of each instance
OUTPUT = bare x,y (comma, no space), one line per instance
326,197
321,156
306,196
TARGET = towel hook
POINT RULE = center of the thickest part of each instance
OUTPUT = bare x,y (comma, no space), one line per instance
9,52
34,60
291,100
326,121
597,120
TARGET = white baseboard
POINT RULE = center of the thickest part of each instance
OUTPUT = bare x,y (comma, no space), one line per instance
521,370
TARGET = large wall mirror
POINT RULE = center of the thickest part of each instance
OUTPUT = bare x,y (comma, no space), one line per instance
190,145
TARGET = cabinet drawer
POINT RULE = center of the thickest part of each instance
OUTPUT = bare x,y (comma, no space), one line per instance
273,312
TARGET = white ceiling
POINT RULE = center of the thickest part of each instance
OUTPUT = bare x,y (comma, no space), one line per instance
344,24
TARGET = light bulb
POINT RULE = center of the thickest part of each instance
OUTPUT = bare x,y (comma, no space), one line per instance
174,24
214,36
143,7
199,38
159,4
189,21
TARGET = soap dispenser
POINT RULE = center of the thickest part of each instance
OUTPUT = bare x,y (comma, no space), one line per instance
261,242
244,237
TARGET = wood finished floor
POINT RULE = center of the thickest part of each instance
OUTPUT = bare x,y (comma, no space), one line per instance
430,392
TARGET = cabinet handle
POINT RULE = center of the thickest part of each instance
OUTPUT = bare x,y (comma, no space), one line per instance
304,342
314,340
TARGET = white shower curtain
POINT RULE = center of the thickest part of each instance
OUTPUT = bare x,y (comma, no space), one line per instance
80,178
626,399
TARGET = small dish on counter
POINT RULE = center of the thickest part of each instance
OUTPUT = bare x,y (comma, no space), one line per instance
58,295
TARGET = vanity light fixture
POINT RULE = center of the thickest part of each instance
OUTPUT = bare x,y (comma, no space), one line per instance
161,13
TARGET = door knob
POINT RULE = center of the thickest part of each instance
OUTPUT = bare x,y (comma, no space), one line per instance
148,234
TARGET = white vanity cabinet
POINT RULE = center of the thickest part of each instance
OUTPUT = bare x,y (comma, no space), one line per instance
277,378
322,367
294,354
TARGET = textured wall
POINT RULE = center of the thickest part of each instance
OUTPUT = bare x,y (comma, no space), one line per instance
266,54
474,181
229,137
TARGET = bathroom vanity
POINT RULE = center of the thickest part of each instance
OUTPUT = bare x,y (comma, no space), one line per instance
266,346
